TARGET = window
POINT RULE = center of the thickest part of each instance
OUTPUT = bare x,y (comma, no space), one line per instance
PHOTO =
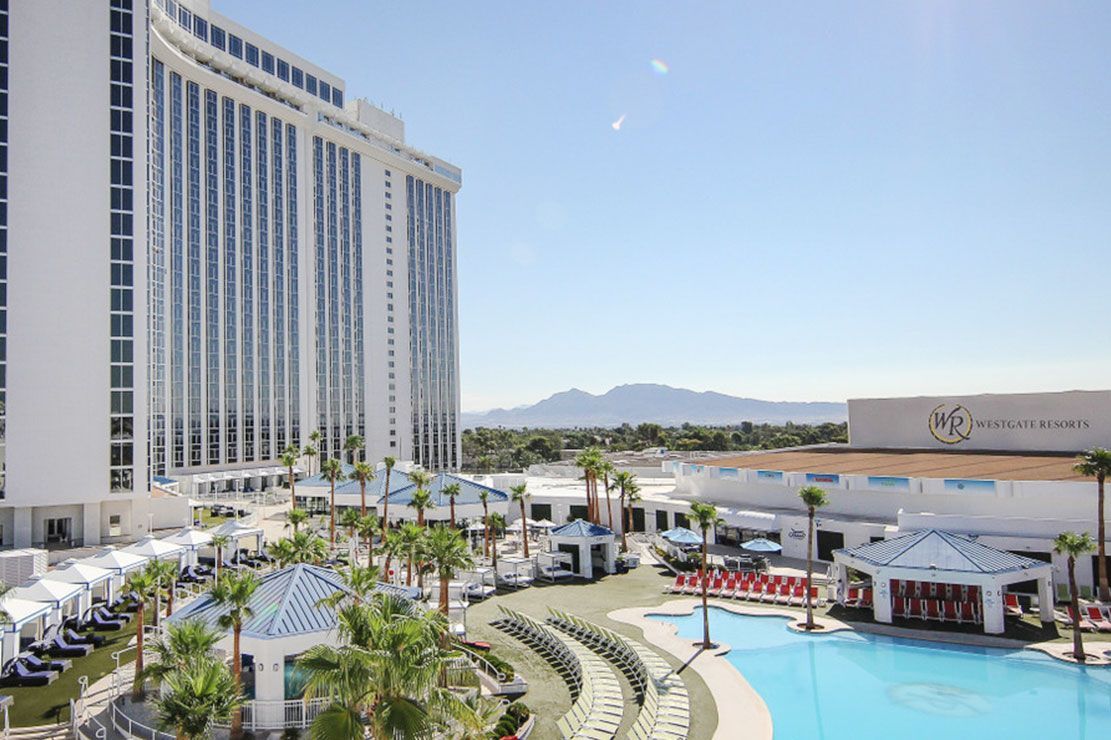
252,54
298,78
185,18
114,527
283,70
310,84
219,38
337,98
267,62
325,91
200,28
235,46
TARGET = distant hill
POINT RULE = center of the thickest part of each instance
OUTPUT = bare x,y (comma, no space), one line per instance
648,402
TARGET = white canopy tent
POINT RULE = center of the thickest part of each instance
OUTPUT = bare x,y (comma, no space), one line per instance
236,530
155,549
192,540
64,598
89,577
937,557
119,562
22,616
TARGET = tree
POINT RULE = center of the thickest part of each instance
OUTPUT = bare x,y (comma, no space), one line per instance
165,574
310,451
296,517
302,547
814,498
143,584
389,462
588,461
289,461
219,542
451,490
447,551
367,528
1074,545
1096,463
421,498
392,547
359,583
349,520
198,695
410,541
705,517
179,643
497,524
484,497
354,443
519,495
623,479
606,468
385,676
363,472
333,471
233,595
632,496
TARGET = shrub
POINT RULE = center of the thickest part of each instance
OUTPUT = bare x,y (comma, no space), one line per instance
499,664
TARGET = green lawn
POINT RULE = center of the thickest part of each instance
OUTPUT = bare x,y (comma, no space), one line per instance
208,520
40,705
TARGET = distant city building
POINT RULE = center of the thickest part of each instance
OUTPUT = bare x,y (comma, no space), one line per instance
214,253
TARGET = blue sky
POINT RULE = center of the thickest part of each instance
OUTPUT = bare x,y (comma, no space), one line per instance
817,201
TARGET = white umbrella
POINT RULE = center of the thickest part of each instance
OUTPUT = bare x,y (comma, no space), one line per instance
516,526
545,524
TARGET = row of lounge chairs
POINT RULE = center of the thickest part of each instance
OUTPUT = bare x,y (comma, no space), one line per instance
762,588
860,598
929,590
665,705
597,703
937,610
1093,618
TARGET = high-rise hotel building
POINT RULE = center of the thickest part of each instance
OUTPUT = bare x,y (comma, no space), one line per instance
207,252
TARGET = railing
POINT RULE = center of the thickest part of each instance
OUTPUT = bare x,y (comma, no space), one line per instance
131,728
79,715
278,715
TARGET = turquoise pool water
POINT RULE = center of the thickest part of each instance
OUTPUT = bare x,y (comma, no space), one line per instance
849,686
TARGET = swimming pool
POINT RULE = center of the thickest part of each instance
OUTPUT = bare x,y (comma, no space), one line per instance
852,686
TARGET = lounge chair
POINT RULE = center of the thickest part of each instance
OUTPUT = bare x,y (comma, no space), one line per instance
112,616
76,639
933,609
866,599
100,623
899,607
1011,605
1097,618
35,663
950,611
784,595
676,587
22,676
60,648
852,598
968,613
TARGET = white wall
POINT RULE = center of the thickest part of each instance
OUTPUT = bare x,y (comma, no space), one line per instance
1068,421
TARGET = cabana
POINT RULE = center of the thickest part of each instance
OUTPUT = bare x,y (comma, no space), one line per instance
155,549
24,620
583,541
468,502
236,530
64,598
924,565
288,617
192,540
118,562
553,565
91,578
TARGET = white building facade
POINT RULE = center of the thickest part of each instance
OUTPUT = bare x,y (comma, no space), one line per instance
217,253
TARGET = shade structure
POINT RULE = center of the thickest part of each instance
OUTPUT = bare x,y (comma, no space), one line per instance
21,611
190,538
682,536
79,572
545,524
583,539
119,562
48,591
156,549
761,545
236,530
516,525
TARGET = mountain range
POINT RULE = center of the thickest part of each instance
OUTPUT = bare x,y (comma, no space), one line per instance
649,402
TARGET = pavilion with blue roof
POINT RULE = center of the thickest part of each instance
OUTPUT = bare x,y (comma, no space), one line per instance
288,618
589,545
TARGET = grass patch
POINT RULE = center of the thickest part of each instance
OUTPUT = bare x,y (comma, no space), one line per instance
41,705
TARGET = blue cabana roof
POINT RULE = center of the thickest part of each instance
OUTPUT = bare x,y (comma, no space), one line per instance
375,488
468,492
580,528
936,550
287,602
682,536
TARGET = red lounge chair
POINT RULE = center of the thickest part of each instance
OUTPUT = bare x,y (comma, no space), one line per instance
866,598
784,595
715,587
973,593
915,609
952,613
741,592
853,597
728,589
933,609
899,606
677,587
968,614
693,586
770,592
756,592
1098,618
1011,605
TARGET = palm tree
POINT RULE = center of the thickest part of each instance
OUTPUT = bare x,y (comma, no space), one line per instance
289,461
200,694
447,551
484,497
165,574
363,472
409,541
302,547
354,443
143,584
1074,545
349,520
219,541
814,498
519,495
310,451
314,439
422,497
451,490
485,463
497,524
333,471
234,596
385,676
1096,462
360,583
179,643
367,528
623,479
606,467
392,547
297,517
389,462
632,496
705,517
589,460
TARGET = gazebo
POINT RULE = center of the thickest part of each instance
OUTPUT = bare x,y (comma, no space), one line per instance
236,530
192,539
22,616
89,576
64,598
582,540
288,618
156,549
948,560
